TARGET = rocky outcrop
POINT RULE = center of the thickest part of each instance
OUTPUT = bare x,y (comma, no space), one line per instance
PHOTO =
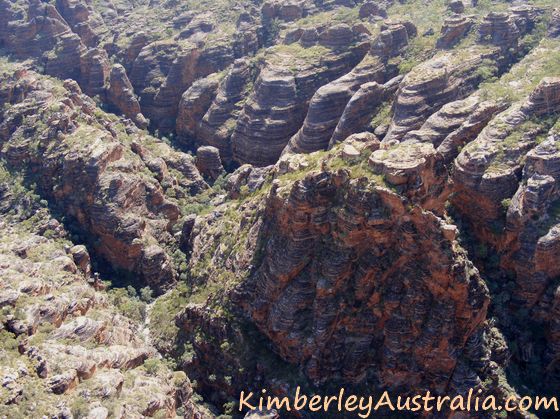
416,169
249,177
55,42
506,183
283,10
361,108
431,85
218,123
20,28
393,222
74,344
95,70
456,6
370,8
392,39
554,26
208,162
89,164
455,125
321,286
267,119
193,106
499,28
325,294
276,109
137,43
83,20
525,17
120,94
489,167
163,71
453,30
328,104
531,222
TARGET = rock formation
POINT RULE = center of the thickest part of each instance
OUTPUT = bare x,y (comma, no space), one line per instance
69,349
83,162
499,29
208,162
328,104
218,123
361,108
428,87
366,197
121,95
278,105
453,30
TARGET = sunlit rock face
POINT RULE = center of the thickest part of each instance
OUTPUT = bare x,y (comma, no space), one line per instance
271,194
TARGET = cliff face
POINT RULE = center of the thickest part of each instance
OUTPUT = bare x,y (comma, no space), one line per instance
110,179
342,297
283,90
360,266
349,276
70,348
367,196
292,70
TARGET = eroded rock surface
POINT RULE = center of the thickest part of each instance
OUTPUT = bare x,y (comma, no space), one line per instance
84,161
77,350
381,209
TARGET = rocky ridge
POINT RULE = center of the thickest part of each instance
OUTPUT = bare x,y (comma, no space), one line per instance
86,159
392,223
70,348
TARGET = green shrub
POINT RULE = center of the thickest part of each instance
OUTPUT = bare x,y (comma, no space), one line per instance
153,366
146,295
128,306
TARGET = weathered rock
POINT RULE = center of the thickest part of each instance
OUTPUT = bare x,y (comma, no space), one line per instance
296,299
455,125
348,261
456,6
208,162
95,70
370,8
86,180
393,38
218,123
277,107
61,383
554,24
197,24
186,231
286,11
525,17
67,369
328,104
121,95
83,20
193,105
428,87
416,167
499,29
162,72
337,36
488,171
453,30
252,178
362,107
